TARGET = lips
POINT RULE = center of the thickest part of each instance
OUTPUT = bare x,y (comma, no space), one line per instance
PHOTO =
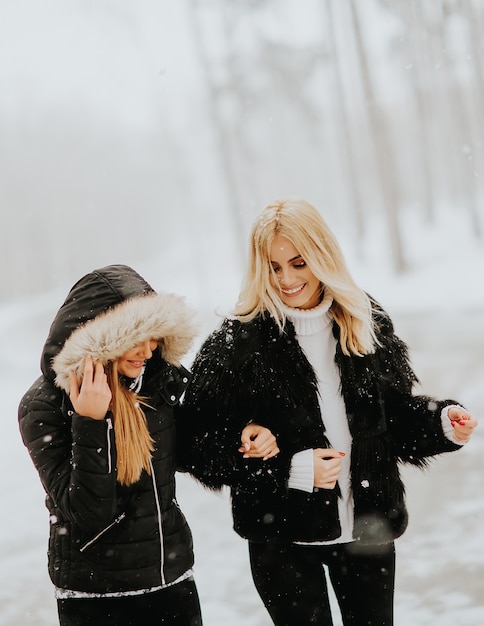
293,292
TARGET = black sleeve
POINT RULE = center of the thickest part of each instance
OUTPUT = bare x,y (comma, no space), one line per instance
414,420
75,456
218,404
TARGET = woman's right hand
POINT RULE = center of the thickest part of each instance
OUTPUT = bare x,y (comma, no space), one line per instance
258,441
93,396
327,466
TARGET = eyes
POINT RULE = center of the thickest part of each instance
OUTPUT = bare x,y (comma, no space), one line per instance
298,265
141,347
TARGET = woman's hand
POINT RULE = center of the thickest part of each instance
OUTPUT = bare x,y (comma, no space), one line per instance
93,397
463,424
327,466
258,441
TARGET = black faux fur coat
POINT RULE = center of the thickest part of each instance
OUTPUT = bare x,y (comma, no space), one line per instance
250,371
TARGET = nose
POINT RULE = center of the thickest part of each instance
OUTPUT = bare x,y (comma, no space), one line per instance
285,276
146,349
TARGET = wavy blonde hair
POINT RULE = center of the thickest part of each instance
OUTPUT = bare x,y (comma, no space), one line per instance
134,444
300,223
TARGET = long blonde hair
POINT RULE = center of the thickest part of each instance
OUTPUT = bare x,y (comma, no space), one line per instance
134,444
300,223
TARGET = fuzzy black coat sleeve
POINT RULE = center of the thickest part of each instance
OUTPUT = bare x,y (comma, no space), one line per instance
414,420
219,402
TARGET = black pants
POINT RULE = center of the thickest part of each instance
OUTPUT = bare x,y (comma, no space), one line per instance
177,605
292,584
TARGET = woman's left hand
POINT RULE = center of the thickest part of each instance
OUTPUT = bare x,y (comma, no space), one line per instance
463,424
258,441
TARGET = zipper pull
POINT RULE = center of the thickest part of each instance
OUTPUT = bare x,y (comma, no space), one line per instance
109,423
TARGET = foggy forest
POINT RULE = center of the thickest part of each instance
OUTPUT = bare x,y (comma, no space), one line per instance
152,133
182,119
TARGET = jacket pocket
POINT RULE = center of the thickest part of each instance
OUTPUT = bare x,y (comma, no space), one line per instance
102,532
313,516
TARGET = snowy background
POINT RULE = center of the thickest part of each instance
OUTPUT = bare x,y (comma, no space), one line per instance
151,133
438,308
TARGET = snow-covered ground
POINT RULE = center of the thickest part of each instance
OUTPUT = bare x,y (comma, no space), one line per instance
438,308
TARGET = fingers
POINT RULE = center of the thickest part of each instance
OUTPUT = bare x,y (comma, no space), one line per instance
272,453
73,386
88,369
258,442
260,448
245,438
327,467
263,442
93,371
329,453
99,373
462,417
94,374
269,450
463,424
92,397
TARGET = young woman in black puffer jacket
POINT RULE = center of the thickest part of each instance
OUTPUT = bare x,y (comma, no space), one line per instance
99,425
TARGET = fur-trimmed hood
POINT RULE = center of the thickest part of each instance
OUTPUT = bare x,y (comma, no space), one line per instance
163,317
109,312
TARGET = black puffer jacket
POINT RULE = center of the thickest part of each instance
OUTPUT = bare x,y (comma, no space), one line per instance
250,371
105,537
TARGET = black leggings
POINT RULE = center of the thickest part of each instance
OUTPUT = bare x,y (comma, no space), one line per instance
177,605
292,584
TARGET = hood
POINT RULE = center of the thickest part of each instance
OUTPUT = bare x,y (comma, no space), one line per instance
108,312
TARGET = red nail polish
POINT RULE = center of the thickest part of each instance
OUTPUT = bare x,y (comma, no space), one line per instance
342,453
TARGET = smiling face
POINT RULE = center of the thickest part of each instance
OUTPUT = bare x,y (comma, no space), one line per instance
298,286
131,363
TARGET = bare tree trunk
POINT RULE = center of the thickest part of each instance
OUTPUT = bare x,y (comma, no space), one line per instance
385,161
417,38
343,123
239,91
476,109
221,135
460,127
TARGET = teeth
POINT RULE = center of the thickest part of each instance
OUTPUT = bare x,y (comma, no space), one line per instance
291,291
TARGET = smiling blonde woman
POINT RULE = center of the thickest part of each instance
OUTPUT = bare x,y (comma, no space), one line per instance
308,354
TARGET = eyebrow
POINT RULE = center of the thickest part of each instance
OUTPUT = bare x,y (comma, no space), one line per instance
294,258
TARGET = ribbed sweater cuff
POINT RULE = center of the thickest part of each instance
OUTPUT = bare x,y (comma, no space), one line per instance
447,424
301,475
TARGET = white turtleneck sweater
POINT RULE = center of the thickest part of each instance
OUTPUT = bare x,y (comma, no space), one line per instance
315,336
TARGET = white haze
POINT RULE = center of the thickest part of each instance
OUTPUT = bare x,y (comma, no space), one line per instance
122,143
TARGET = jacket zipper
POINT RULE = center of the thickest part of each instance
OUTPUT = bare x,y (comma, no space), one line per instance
160,525
109,423
101,533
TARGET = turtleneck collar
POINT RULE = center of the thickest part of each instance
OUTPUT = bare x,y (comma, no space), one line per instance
310,321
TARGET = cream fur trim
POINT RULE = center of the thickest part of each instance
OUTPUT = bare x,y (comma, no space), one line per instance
163,317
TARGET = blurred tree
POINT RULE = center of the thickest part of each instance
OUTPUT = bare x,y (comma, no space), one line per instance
384,150
365,108
220,130
341,108
422,84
